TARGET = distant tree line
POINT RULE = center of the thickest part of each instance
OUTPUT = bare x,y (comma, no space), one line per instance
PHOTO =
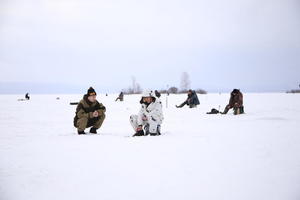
175,90
293,91
185,85
135,87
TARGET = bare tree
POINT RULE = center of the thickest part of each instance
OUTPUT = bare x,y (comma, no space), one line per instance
138,89
135,87
185,82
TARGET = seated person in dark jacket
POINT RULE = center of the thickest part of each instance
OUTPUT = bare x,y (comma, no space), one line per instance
192,101
89,113
120,97
235,102
27,97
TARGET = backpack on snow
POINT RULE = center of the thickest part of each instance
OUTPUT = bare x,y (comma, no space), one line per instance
213,111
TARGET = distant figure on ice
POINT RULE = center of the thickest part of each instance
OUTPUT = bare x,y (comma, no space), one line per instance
192,100
120,97
235,102
89,113
157,94
27,97
150,116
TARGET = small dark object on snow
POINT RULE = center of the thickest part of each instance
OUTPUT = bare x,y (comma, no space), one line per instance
213,111
74,103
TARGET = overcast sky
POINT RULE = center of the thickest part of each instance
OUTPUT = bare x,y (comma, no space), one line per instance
58,45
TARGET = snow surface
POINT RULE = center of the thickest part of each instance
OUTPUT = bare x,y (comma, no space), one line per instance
255,156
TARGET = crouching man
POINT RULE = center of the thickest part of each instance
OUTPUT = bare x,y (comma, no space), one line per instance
192,100
89,113
235,102
150,117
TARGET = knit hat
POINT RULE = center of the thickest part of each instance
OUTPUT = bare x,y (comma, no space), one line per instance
91,92
235,91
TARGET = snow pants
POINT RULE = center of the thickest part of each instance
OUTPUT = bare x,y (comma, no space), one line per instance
83,123
151,126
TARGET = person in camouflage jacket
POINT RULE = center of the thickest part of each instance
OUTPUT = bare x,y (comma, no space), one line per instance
89,113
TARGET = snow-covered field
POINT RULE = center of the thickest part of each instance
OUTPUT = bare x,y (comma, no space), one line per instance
255,156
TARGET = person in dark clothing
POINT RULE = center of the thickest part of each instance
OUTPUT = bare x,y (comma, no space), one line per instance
157,94
120,97
89,113
235,102
27,97
192,101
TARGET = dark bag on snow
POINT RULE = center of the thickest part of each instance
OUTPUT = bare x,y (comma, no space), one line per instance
213,111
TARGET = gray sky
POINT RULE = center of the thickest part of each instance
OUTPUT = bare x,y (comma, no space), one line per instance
62,45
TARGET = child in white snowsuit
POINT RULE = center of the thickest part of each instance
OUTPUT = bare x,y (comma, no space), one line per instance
150,116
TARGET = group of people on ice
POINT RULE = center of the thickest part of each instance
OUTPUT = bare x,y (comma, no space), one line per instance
91,113
235,102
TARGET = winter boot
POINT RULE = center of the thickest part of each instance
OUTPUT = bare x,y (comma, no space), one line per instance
139,133
81,132
158,130
93,130
237,111
242,110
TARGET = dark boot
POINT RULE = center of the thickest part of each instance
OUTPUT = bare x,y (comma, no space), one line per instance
193,106
81,132
139,133
93,130
236,111
158,130
242,110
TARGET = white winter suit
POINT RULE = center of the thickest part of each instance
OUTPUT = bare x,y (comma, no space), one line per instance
150,116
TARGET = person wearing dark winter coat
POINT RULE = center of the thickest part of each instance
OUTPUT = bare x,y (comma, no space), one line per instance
235,102
120,97
157,94
192,101
27,97
89,113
